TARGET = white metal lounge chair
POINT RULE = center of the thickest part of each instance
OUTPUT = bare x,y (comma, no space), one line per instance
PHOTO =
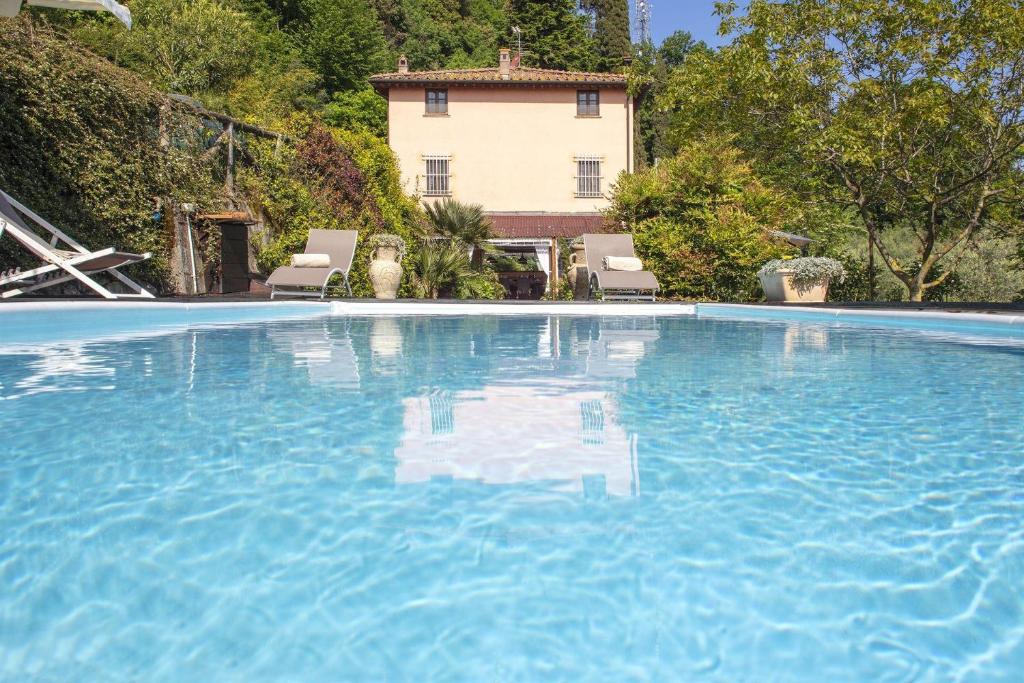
616,285
339,245
61,265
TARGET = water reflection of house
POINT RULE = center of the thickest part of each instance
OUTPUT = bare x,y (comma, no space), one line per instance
323,348
517,429
616,352
50,368
509,434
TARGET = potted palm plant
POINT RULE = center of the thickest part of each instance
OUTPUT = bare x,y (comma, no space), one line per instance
800,280
450,258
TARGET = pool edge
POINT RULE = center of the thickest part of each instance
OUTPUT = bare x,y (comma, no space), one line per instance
916,319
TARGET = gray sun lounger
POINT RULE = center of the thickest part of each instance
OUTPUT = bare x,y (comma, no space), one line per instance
61,265
616,285
339,245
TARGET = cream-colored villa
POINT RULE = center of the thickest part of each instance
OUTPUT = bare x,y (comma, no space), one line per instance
537,148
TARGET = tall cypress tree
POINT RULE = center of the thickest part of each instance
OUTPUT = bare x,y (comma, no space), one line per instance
554,34
614,42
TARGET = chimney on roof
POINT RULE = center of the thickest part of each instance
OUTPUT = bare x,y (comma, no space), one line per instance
505,64
403,65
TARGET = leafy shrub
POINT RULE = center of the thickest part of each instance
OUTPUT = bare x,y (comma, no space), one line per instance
480,285
561,291
358,109
439,267
332,180
232,60
702,222
442,269
464,223
989,271
857,284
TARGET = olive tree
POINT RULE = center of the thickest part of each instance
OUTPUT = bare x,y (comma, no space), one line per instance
911,113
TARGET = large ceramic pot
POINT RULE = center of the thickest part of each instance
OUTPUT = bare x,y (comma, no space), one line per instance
578,275
779,286
385,272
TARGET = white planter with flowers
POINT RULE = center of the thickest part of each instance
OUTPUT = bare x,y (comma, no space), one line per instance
800,280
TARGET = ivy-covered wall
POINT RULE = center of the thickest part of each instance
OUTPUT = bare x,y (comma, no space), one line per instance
96,150
334,179
91,147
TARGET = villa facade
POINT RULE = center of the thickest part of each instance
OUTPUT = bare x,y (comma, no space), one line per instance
539,149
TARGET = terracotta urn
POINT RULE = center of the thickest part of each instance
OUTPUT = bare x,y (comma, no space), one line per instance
578,275
385,272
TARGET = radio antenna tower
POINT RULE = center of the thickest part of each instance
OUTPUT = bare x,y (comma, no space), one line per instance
643,20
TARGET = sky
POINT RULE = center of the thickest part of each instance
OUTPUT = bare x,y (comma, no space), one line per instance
695,16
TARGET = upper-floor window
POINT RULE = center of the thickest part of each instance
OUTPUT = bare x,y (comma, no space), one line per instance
588,176
437,101
588,103
439,178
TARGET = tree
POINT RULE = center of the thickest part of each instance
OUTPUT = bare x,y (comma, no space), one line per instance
611,29
676,47
232,61
343,41
438,34
283,12
910,113
438,266
358,109
554,34
190,47
648,80
703,220
466,224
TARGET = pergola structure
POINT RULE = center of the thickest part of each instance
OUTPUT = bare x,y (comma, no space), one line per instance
539,233
9,8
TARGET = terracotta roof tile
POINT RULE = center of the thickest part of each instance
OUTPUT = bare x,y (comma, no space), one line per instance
547,225
524,75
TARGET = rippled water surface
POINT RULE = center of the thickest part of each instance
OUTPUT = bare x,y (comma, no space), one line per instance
512,499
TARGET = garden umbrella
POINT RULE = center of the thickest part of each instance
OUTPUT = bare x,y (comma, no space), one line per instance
8,8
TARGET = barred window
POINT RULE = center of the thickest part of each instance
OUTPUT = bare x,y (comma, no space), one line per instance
592,423
588,176
438,176
588,103
437,101
442,413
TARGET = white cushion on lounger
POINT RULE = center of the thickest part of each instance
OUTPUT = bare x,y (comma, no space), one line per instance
627,263
311,261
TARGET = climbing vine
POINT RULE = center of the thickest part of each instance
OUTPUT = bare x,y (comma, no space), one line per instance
331,179
101,154
92,148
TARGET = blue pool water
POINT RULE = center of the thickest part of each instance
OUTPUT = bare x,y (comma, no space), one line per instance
512,499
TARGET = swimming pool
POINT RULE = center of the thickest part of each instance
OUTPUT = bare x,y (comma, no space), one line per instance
535,497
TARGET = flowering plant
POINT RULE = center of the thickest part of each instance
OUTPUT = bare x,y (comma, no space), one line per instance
807,271
389,241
